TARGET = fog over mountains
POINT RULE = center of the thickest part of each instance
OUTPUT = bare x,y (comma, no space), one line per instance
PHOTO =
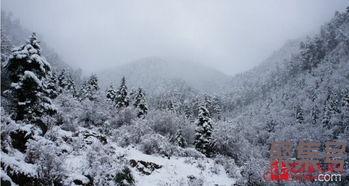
166,121
157,75
231,36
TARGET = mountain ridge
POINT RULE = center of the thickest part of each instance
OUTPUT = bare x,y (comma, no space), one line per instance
155,73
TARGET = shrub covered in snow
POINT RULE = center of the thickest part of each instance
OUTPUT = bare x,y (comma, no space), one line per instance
156,143
131,134
48,156
167,123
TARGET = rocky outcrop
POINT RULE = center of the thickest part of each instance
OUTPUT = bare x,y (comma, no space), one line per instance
144,167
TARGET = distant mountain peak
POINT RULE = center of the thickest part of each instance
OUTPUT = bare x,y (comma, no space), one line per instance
156,74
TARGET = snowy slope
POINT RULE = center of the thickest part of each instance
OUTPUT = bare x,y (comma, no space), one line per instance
173,171
270,74
178,170
83,154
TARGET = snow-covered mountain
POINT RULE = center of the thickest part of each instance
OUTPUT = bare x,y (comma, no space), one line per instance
157,75
270,74
299,93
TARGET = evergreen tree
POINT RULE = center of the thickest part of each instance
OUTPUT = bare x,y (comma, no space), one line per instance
27,71
122,99
89,88
195,105
52,86
111,93
140,103
62,82
345,109
330,110
6,46
299,114
70,85
133,94
346,96
179,139
203,132
207,101
213,106
187,111
66,83
315,114
312,53
216,107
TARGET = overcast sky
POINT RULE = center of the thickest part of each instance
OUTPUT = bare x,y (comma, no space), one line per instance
229,35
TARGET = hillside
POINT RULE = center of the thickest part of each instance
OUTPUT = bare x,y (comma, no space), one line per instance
305,96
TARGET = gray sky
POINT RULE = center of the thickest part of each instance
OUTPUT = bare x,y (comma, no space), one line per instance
229,35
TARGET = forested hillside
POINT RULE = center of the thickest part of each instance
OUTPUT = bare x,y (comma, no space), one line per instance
302,96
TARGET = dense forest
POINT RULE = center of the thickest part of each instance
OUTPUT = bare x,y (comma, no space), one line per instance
124,127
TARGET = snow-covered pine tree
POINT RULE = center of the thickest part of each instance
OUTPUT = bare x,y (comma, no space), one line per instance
299,114
70,85
132,95
203,132
315,114
187,111
195,106
179,139
111,93
207,102
91,87
330,110
346,97
52,86
93,82
345,107
66,83
27,71
62,82
6,46
216,107
140,104
122,99
213,106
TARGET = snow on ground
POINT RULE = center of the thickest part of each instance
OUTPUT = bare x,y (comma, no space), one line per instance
76,164
174,171
178,170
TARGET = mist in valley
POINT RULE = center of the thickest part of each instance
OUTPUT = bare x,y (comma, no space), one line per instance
170,92
230,36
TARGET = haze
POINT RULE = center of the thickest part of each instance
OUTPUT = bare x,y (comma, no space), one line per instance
231,36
